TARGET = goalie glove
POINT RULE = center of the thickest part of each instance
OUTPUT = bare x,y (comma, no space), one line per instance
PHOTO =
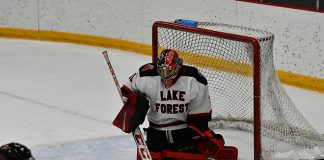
209,143
125,93
133,112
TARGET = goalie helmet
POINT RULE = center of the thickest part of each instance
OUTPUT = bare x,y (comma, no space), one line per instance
15,151
168,64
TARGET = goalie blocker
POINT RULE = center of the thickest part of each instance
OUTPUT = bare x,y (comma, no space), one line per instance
133,112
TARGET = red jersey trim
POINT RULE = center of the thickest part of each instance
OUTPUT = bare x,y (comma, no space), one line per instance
166,124
199,115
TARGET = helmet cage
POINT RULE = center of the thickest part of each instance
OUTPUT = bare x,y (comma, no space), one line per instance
167,72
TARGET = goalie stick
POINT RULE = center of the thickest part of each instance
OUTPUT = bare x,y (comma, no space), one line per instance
137,134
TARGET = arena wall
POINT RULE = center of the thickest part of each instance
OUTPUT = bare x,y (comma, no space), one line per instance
126,25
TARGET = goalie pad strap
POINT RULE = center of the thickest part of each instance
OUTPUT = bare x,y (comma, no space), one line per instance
132,113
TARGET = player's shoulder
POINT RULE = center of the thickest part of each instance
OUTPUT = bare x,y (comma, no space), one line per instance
194,72
148,69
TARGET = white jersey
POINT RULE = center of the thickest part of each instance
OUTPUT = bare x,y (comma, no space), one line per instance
170,108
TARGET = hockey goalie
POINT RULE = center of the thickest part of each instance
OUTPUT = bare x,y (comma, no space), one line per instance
175,99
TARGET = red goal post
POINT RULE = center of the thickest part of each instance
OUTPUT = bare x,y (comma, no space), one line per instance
256,67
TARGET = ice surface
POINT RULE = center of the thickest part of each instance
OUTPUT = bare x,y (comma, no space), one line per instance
59,99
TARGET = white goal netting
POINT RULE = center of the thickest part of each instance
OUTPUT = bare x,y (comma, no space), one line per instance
228,66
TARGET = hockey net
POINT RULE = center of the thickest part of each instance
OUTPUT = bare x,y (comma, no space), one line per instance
244,88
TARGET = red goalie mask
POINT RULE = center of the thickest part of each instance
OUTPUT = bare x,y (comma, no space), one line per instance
168,64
